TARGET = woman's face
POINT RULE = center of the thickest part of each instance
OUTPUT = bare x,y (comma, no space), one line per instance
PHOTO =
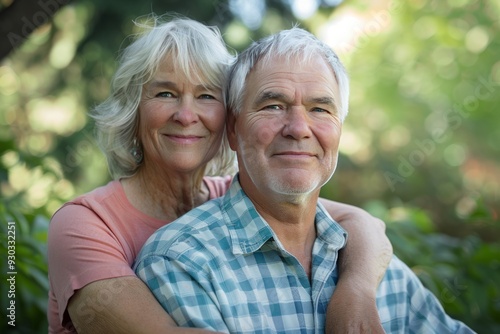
180,121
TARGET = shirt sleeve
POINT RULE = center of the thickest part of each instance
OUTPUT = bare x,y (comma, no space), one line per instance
414,308
81,249
183,288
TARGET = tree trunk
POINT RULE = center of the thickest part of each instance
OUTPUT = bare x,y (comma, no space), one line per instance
21,18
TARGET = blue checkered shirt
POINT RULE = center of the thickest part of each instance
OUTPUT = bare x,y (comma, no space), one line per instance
221,267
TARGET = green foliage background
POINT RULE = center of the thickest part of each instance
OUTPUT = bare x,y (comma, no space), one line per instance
420,148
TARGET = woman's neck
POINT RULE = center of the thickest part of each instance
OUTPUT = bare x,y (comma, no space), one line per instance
164,194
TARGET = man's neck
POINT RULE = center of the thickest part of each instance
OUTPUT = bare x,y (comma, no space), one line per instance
294,224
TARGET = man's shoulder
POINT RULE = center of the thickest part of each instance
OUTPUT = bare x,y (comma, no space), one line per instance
203,217
397,271
401,281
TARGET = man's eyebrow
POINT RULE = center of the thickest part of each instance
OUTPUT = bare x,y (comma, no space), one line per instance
326,100
268,96
277,96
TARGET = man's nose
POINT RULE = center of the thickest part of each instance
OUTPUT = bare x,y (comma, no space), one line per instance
297,123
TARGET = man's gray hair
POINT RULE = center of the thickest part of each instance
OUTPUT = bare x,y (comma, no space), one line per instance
288,44
198,51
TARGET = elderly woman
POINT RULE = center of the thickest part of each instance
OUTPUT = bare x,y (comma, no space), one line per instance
162,131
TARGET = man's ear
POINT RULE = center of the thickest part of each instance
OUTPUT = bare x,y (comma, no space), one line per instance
230,129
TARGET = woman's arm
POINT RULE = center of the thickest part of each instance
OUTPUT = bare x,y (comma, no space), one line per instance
93,282
362,264
121,305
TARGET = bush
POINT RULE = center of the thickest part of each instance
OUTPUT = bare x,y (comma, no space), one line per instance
464,273
31,281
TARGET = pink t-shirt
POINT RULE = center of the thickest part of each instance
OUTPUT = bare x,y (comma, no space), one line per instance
98,236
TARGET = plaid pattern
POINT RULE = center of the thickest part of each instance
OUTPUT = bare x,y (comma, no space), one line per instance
221,267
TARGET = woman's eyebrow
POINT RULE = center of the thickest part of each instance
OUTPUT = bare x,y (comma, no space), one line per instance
210,88
161,84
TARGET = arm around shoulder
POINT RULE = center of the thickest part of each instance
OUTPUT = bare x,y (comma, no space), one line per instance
362,264
83,257
368,250
121,305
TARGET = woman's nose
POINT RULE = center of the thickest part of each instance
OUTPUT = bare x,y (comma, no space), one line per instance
186,114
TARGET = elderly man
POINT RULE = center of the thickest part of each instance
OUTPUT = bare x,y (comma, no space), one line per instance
262,259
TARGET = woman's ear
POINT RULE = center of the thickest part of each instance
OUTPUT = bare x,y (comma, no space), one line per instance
230,129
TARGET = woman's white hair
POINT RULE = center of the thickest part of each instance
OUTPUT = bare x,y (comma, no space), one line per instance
198,51
288,44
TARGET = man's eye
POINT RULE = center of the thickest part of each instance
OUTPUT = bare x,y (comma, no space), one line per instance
273,107
320,110
164,94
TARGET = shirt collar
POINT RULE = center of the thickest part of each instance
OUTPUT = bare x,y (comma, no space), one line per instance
249,231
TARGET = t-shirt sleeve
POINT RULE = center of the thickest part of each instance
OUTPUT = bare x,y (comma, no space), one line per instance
81,249
218,185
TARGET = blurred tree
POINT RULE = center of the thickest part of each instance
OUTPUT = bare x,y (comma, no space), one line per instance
19,18
422,129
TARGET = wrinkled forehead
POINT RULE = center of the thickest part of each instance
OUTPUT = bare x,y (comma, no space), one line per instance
292,61
313,77
291,67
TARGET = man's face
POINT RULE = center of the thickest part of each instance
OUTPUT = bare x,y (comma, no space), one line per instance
288,131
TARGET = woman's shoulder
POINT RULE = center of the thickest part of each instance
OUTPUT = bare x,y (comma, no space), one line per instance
92,204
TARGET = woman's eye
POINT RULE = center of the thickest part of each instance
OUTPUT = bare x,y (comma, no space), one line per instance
164,94
207,97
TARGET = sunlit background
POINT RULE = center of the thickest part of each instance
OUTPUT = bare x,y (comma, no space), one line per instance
420,147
